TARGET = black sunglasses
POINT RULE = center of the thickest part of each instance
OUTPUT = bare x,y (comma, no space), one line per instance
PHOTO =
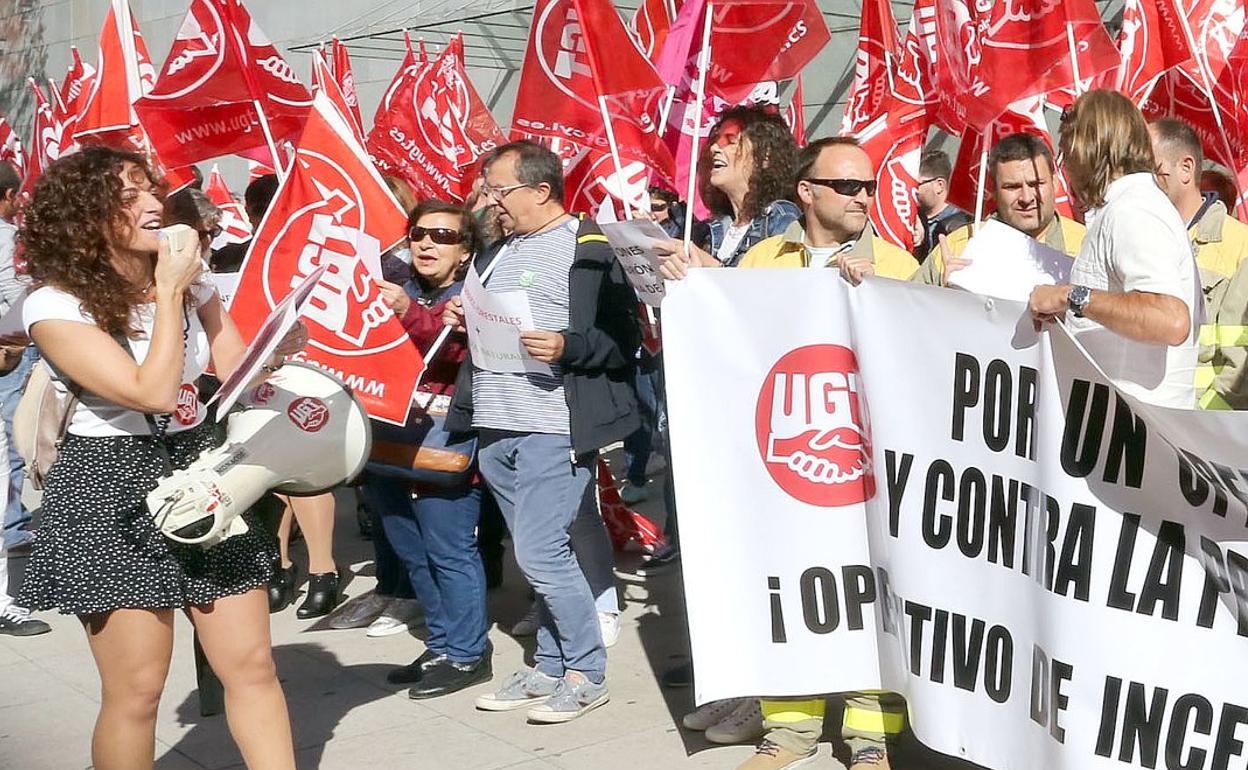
443,236
848,187
211,233
658,206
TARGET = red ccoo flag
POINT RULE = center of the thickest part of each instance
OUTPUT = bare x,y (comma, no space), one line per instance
334,209
341,60
992,54
222,83
234,224
123,74
650,23
45,140
874,66
1150,42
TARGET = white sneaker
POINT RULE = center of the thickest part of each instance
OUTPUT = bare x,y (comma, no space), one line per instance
360,612
709,714
398,617
528,625
743,725
609,624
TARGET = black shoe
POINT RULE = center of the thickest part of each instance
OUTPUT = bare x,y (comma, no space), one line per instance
678,677
412,672
15,622
446,677
322,596
282,588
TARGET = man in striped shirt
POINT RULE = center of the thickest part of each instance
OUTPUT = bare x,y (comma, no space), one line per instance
540,433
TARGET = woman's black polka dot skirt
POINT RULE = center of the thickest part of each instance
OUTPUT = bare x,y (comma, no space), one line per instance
98,550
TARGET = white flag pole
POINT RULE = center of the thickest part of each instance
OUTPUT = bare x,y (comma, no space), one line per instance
615,154
983,180
278,166
1074,57
699,95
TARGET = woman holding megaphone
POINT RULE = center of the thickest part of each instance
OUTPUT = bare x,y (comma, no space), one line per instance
126,327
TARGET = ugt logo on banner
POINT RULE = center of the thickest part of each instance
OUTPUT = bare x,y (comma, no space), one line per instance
812,427
333,210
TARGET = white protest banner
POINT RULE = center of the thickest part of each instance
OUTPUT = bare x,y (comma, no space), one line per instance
633,243
1008,263
494,321
1052,573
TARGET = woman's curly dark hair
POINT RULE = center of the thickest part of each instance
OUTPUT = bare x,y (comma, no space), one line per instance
773,152
68,229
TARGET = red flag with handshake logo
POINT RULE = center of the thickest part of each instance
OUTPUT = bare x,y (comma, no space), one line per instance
334,210
222,80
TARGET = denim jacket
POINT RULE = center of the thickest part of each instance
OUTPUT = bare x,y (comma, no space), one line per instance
773,220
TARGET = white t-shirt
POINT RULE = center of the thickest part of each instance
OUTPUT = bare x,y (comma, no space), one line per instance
97,417
732,239
821,256
1137,242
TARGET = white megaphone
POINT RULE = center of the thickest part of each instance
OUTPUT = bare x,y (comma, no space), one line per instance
301,432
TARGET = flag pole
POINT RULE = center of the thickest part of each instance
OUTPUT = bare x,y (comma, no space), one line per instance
699,95
983,179
615,154
1074,57
278,166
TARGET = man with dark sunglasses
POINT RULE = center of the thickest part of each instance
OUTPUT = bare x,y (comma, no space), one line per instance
835,188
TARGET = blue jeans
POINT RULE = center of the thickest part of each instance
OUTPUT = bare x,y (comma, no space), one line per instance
639,445
541,492
392,579
15,514
435,536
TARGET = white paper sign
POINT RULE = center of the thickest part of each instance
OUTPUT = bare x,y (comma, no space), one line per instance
1007,263
226,284
494,321
270,335
11,321
633,244
1053,574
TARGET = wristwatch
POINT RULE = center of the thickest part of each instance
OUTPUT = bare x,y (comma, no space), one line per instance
1078,299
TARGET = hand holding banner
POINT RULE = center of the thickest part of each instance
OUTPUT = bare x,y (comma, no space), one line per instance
633,243
494,321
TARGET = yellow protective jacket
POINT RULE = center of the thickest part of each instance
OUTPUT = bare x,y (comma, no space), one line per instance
1221,243
789,250
1065,235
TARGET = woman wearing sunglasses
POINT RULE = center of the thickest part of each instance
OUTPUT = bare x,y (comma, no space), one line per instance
434,532
745,176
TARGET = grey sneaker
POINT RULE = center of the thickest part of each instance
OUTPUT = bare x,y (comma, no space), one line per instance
520,690
574,696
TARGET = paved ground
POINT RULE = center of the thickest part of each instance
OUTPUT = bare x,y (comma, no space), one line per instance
345,716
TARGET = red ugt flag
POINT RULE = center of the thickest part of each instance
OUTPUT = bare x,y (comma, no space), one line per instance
323,80
221,66
334,209
433,127
11,148
873,66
